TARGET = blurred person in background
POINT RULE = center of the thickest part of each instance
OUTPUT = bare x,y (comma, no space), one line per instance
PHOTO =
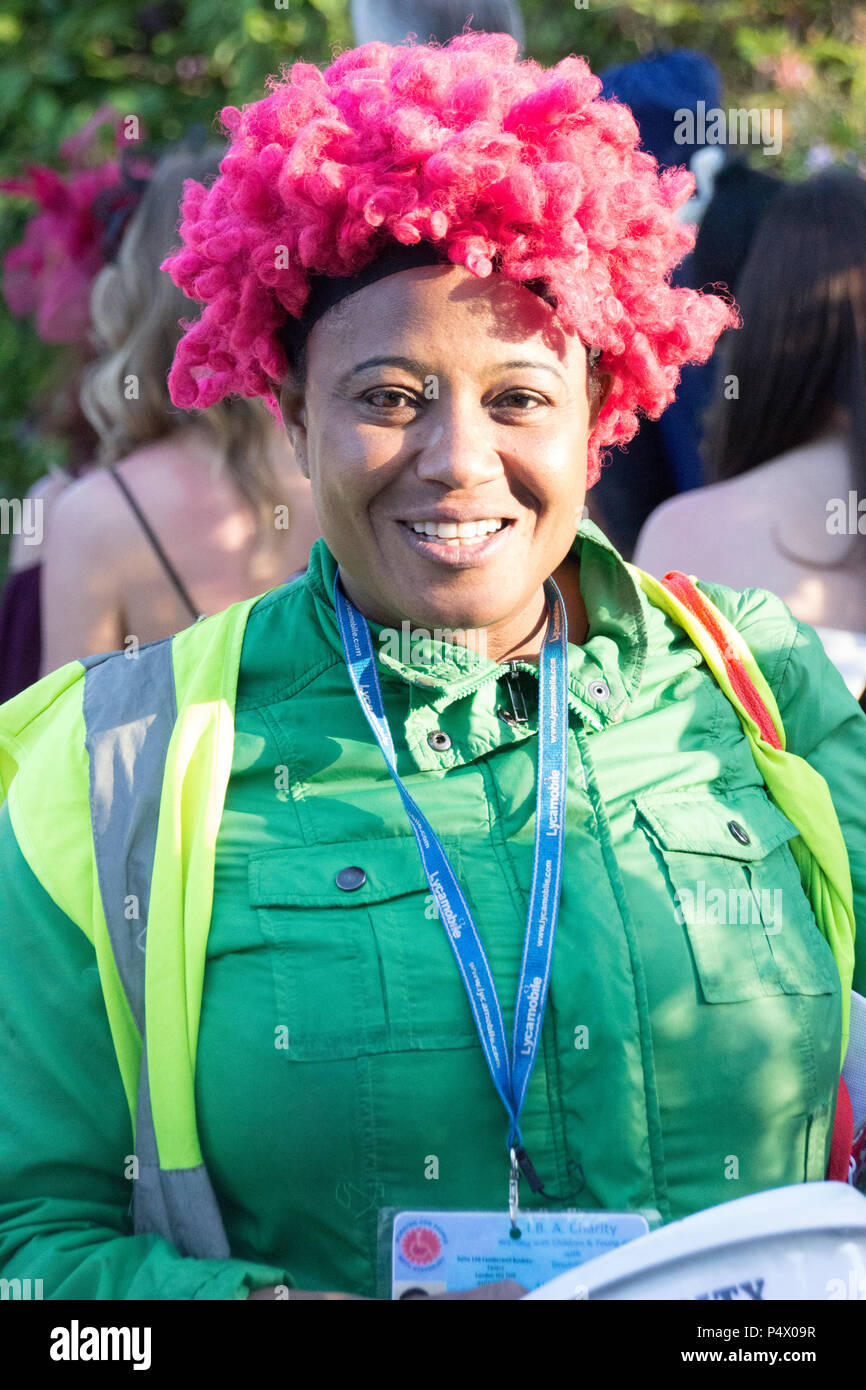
391,21
740,196
786,438
655,87
729,200
82,207
20,617
188,513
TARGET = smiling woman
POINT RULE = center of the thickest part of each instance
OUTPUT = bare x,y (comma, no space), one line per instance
424,921
444,503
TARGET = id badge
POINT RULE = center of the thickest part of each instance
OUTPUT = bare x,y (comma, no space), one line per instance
450,1251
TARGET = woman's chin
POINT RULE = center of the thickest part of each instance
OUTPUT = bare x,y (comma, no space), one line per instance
467,598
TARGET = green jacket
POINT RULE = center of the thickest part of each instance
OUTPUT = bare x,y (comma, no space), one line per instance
690,1051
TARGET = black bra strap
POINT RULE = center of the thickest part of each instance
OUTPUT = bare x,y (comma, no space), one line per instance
161,555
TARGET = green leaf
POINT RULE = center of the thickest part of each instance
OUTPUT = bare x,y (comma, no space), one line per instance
16,81
10,28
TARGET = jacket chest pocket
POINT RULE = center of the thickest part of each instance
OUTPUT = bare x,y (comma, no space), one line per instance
360,960
738,895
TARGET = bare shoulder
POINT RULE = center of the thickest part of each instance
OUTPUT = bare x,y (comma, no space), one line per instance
91,510
178,482
50,486
89,499
154,475
686,530
756,529
820,465
26,548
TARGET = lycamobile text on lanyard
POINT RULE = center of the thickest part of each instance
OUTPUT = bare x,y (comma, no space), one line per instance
510,1077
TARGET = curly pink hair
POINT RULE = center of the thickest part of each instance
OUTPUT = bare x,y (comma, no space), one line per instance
506,165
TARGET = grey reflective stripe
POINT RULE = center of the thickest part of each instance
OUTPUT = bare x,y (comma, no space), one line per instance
129,712
130,709
177,1203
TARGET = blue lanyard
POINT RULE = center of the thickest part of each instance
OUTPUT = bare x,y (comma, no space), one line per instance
510,1078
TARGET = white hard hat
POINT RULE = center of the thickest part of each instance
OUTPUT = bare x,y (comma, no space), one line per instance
802,1242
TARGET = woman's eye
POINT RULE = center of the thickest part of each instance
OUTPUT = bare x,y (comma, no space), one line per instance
519,400
389,398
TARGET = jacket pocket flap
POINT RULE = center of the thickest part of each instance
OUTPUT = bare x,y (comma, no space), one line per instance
743,824
318,875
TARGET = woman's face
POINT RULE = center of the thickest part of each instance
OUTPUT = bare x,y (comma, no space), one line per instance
435,401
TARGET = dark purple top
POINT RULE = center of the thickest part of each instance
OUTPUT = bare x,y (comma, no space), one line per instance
20,631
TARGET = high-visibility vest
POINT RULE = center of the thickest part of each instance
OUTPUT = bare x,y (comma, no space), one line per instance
139,752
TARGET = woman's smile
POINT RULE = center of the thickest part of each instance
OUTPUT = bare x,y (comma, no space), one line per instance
460,544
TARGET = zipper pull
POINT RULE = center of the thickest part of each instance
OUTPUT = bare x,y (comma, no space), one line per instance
518,704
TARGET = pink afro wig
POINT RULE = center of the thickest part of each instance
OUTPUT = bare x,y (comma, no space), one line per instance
502,163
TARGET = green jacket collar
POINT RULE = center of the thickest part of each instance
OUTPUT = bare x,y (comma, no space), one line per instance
613,656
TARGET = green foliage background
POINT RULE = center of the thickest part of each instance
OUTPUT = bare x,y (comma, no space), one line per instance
174,64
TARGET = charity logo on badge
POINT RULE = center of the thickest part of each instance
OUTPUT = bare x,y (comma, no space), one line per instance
451,1251
421,1246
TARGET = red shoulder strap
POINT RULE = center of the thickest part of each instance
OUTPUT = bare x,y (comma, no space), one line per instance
689,594
843,1137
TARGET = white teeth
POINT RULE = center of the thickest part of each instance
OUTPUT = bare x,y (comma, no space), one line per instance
453,530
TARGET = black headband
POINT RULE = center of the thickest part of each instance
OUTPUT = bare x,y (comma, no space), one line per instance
328,290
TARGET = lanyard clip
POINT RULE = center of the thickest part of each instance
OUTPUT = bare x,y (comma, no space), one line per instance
518,714
513,1188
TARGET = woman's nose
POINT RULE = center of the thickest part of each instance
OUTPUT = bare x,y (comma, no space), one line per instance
458,449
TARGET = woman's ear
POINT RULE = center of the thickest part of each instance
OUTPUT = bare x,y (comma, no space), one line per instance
600,384
294,415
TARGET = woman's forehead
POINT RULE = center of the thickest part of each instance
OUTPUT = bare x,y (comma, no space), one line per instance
436,309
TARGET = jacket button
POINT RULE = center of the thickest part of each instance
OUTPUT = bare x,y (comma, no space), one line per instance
439,740
739,833
351,878
599,690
